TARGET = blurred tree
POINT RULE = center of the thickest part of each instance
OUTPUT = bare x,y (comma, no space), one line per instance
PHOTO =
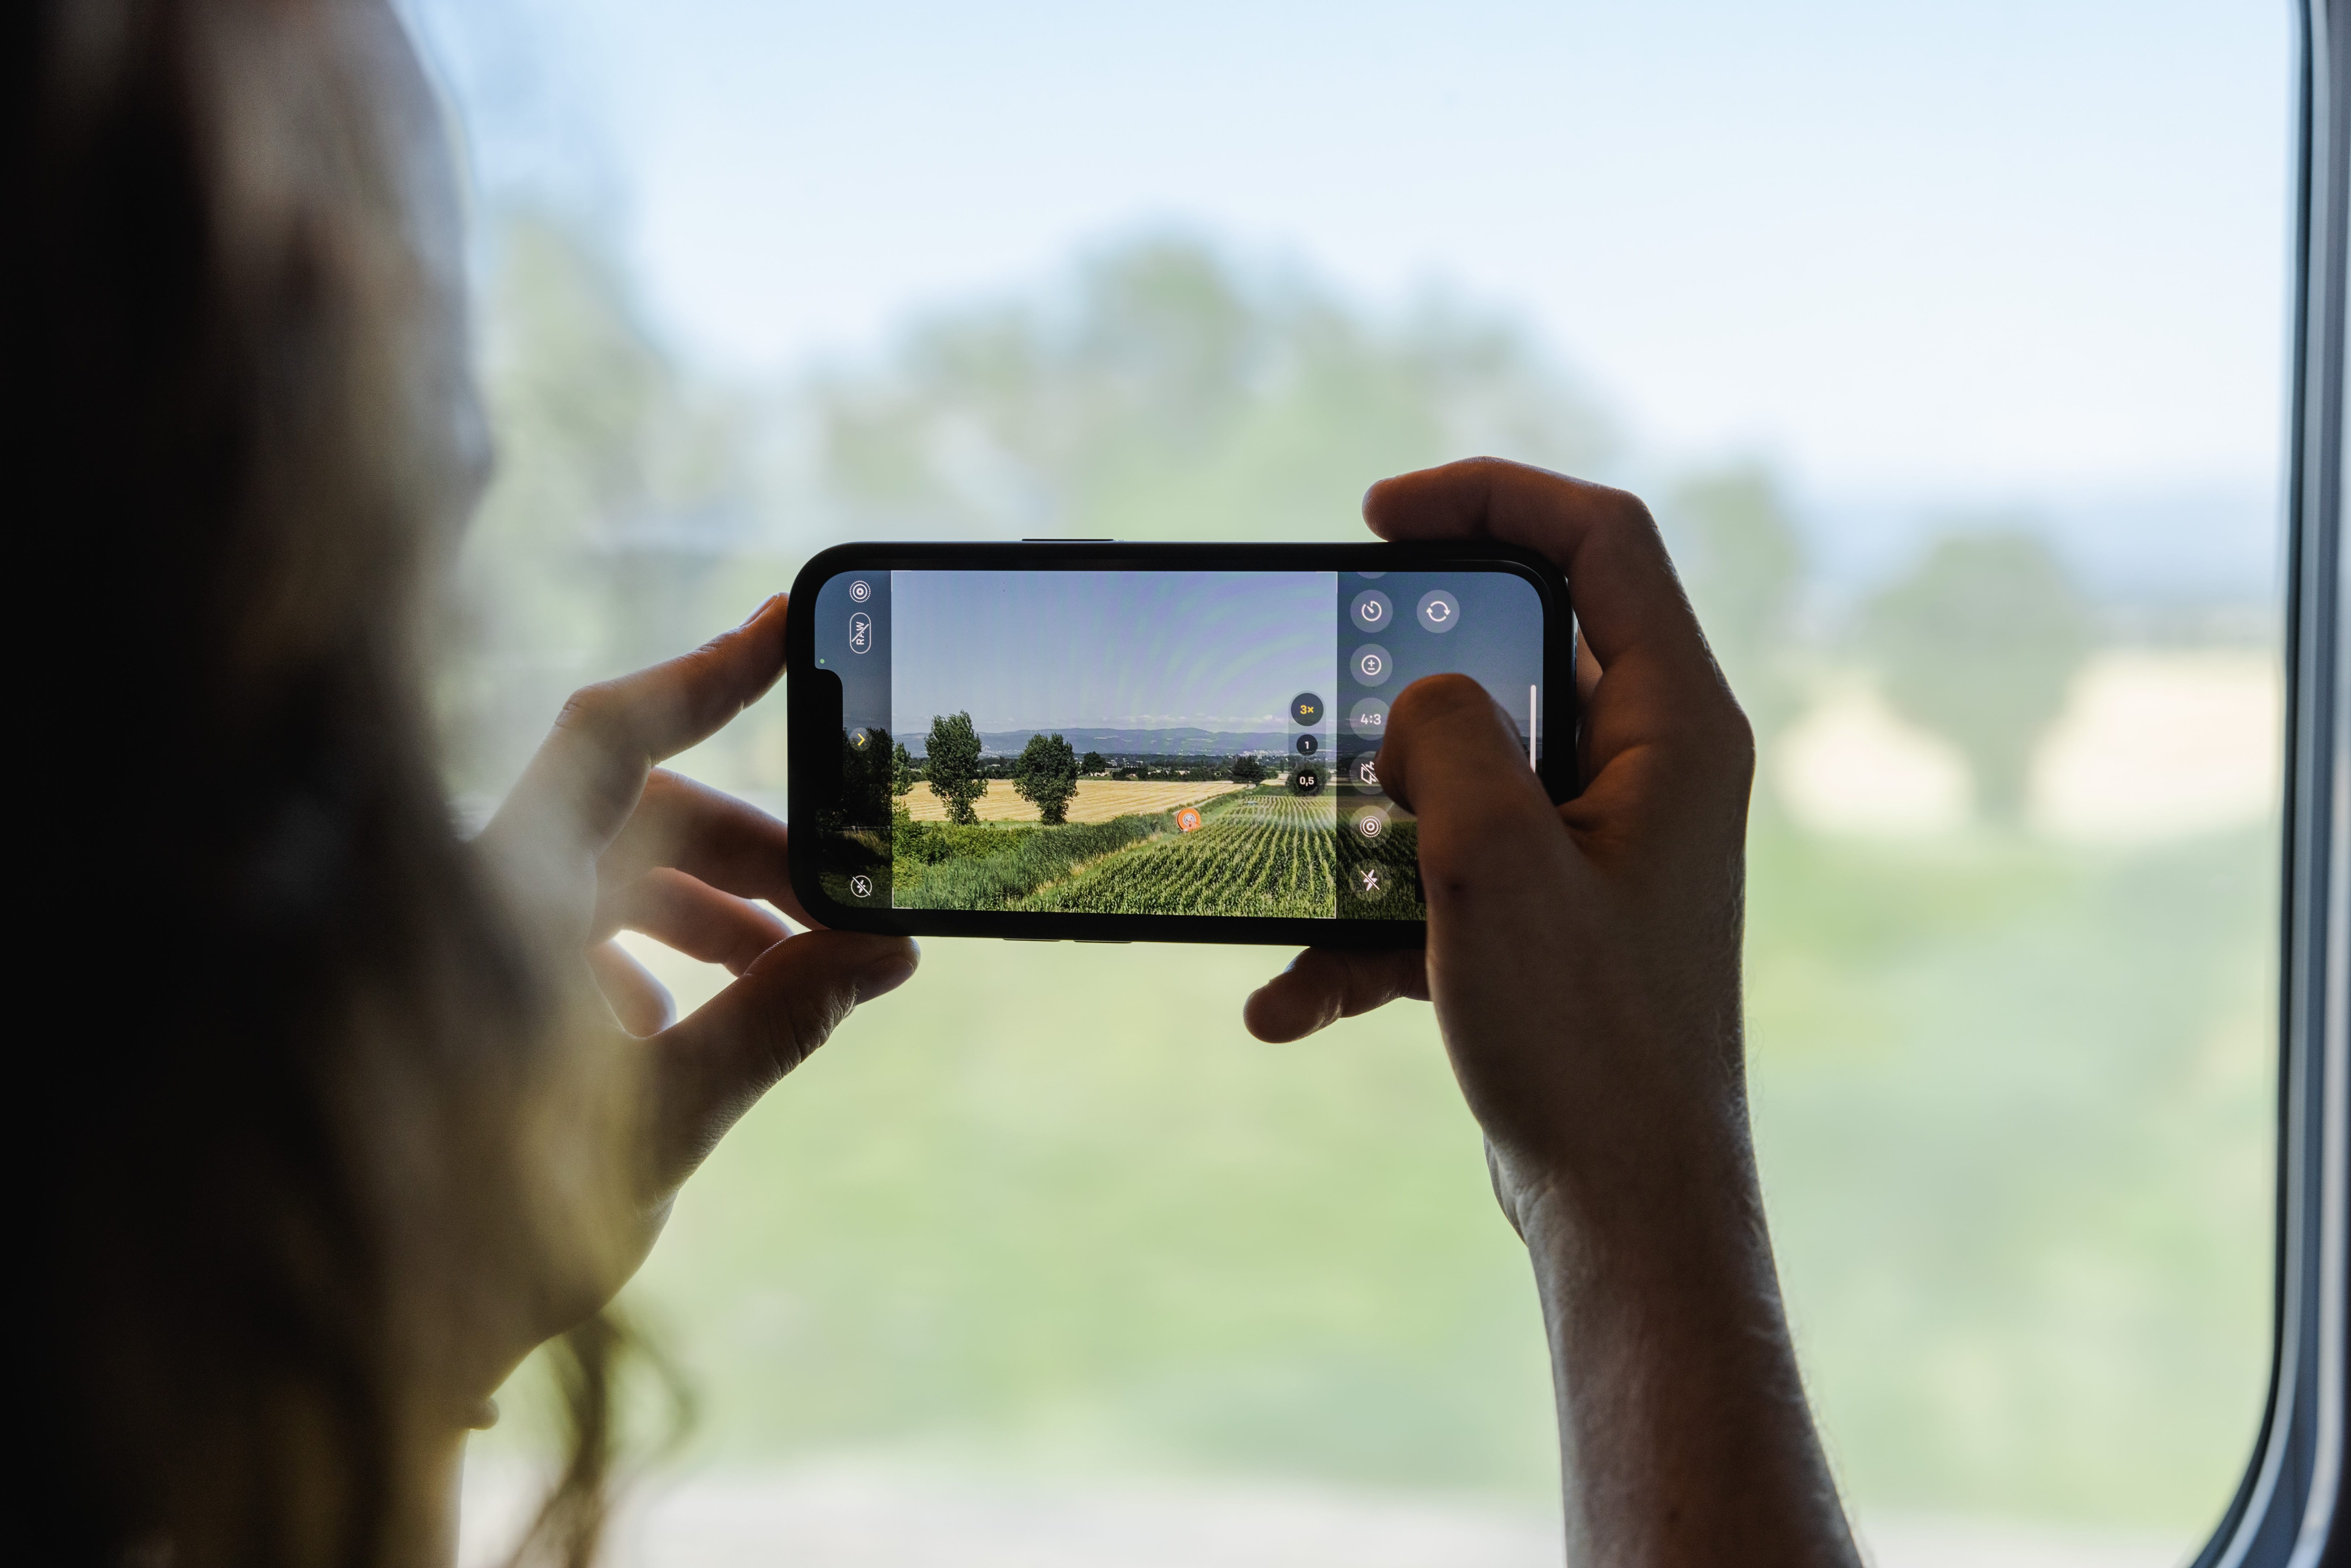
1093,762
1980,643
951,766
1166,392
1046,777
1248,769
1741,561
615,531
903,773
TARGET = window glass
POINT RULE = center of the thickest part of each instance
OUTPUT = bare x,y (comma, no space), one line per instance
1947,344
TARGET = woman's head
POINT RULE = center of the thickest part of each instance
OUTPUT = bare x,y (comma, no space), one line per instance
300,1040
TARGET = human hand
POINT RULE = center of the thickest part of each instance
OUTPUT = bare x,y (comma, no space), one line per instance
1584,961
596,839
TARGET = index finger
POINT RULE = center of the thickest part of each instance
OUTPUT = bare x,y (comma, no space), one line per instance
609,737
709,835
1629,604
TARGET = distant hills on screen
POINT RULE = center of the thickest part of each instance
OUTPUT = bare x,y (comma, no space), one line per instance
1183,741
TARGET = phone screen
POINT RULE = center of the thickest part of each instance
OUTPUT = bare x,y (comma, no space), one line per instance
1146,742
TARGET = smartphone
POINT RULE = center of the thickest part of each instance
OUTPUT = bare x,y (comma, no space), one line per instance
1093,741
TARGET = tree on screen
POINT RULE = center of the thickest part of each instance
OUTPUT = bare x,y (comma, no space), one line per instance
903,772
952,767
1093,762
1046,777
1248,769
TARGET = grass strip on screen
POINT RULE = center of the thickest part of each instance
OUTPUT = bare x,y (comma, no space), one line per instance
988,865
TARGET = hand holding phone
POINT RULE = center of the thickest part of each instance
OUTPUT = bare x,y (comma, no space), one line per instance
599,839
1583,957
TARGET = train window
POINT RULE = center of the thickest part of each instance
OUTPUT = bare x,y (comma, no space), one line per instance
1952,346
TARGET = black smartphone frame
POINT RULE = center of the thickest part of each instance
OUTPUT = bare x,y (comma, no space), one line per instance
813,697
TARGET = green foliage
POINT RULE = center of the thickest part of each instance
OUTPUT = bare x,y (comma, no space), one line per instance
1093,762
952,765
920,845
1247,769
1046,777
1015,860
1979,644
903,772
1737,550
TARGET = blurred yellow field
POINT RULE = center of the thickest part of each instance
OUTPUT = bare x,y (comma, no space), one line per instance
1098,799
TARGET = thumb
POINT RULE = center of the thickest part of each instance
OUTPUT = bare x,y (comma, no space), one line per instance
714,1065
1451,758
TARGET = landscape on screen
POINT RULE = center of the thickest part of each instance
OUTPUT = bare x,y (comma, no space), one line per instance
1107,743
1161,825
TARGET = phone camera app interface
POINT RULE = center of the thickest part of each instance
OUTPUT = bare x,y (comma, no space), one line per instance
1143,742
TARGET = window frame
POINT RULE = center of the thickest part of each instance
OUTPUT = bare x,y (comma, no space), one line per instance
2287,1510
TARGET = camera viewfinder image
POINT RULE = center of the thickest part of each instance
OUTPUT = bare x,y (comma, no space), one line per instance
1143,743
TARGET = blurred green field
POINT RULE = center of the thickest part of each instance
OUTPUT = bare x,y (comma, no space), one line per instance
1049,1209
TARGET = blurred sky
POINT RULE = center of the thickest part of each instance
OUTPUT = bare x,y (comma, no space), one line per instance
2012,251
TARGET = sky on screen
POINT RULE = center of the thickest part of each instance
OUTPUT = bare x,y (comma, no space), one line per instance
1022,649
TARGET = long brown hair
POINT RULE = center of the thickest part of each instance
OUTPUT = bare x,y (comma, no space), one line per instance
277,1111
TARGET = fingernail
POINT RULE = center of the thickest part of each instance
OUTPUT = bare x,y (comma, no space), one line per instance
764,603
893,968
